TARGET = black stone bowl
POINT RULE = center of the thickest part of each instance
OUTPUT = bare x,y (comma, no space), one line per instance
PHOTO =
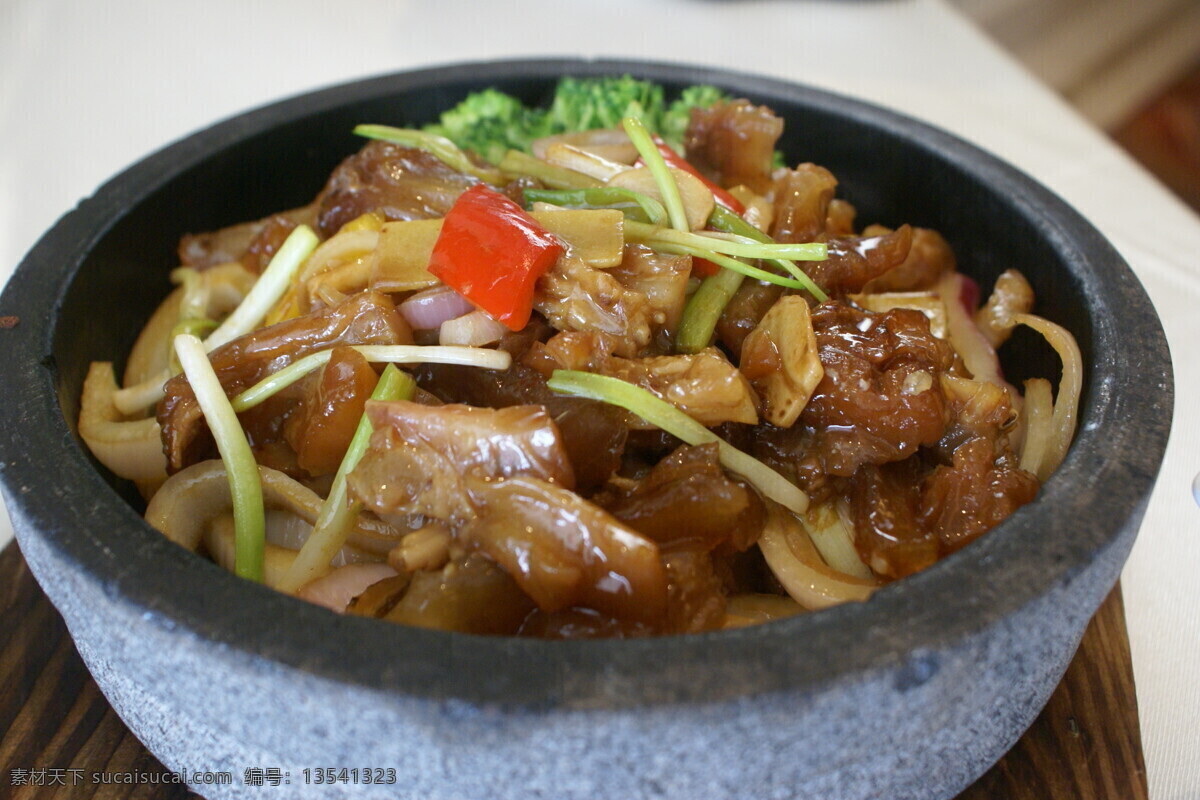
913,694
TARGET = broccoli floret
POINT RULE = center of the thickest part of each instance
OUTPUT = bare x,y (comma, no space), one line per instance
491,122
582,104
675,119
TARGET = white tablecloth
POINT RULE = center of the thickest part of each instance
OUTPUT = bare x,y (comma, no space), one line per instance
88,88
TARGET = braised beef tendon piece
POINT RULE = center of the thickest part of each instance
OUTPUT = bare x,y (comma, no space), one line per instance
880,398
734,142
704,385
747,308
593,434
909,514
688,502
401,183
481,442
929,257
974,494
500,479
364,318
576,297
662,278
251,243
320,431
890,535
854,261
565,551
471,594
802,197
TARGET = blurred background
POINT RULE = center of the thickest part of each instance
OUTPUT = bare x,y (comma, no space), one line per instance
1130,67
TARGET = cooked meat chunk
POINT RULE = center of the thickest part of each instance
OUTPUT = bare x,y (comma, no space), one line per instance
749,305
427,460
906,516
928,259
974,494
880,398
398,182
802,200
703,385
734,142
593,433
365,318
576,297
855,260
565,551
470,595
688,502
252,243
320,431
662,278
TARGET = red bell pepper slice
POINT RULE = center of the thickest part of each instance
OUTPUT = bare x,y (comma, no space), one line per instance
493,253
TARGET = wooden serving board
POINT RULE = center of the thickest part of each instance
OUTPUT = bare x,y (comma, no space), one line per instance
58,730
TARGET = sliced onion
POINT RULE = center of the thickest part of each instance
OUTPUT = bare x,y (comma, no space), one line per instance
1039,424
1066,403
590,164
342,247
190,499
965,337
796,564
132,449
218,540
339,587
471,330
610,143
834,540
428,309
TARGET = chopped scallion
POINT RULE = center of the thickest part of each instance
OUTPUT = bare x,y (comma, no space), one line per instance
635,205
648,150
440,147
262,297
245,486
391,353
338,514
271,285
661,414
517,163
